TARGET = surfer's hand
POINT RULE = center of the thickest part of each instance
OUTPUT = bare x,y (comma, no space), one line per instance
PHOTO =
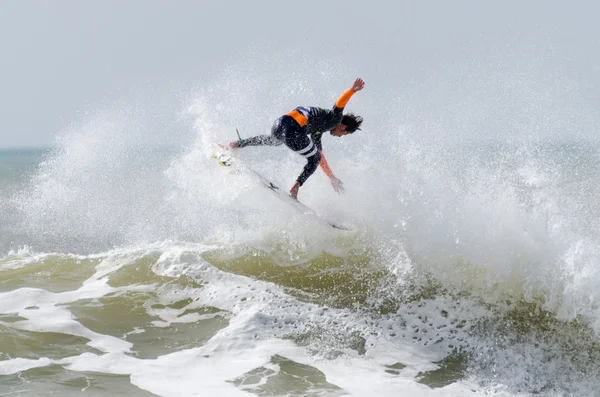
338,185
358,85
294,190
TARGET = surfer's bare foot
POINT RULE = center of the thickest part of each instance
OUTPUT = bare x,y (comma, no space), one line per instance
294,190
229,145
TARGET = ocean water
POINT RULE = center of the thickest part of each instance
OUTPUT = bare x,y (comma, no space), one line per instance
473,267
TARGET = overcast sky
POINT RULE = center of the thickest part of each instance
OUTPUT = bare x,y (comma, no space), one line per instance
62,58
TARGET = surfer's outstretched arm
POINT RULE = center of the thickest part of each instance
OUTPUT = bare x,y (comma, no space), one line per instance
337,184
343,100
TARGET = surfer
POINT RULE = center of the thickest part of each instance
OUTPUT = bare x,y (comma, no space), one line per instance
301,130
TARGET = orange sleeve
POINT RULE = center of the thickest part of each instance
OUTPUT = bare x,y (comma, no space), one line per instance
325,166
343,100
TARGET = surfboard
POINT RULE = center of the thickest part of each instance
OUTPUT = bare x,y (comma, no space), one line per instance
226,160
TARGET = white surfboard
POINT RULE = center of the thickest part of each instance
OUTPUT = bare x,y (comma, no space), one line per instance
226,160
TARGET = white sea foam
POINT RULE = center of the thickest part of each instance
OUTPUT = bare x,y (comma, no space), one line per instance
477,228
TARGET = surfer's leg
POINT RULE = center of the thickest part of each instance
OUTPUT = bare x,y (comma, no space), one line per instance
280,128
303,145
260,140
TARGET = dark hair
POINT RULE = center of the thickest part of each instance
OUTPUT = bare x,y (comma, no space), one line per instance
352,122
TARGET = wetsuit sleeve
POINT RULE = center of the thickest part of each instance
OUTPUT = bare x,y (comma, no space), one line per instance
340,104
260,140
310,167
344,98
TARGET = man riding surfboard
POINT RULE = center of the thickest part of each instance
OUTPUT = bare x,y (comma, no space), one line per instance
301,130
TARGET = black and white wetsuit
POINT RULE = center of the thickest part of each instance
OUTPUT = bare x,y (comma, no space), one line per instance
301,130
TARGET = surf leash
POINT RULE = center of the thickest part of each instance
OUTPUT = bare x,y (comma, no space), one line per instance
239,137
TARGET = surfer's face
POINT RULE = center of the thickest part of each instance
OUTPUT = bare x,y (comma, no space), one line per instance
340,130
